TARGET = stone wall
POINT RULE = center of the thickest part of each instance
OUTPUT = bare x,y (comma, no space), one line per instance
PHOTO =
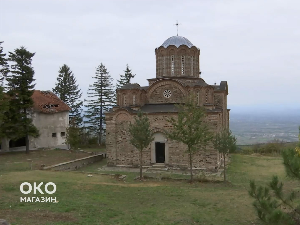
121,152
76,164
52,128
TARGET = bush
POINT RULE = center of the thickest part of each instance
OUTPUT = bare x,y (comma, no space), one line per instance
247,151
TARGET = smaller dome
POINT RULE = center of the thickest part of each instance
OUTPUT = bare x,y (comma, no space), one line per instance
177,41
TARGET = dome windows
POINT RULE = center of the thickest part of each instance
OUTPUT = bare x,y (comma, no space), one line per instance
172,65
177,57
182,64
192,65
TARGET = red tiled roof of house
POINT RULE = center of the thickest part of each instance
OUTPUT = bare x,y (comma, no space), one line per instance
48,102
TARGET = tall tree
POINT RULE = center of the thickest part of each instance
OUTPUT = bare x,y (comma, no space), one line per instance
20,89
99,100
3,99
125,78
190,128
68,91
141,136
4,68
224,142
3,111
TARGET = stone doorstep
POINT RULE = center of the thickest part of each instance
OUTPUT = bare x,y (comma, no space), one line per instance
158,165
130,166
157,169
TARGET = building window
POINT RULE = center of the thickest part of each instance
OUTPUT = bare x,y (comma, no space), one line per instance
63,134
182,64
133,100
206,96
53,134
163,66
172,65
192,65
167,93
124,98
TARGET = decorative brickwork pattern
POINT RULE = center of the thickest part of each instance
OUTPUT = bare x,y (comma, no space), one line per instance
177,76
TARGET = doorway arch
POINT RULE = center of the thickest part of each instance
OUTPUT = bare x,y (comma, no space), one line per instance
159,149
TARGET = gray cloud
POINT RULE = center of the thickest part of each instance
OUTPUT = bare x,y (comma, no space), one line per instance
254,45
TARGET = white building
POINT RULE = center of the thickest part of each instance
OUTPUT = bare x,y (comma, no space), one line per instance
50,115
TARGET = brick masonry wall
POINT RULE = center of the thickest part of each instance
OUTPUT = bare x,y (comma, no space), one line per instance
121,152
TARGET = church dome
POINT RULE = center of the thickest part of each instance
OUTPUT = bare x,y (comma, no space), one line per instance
177,41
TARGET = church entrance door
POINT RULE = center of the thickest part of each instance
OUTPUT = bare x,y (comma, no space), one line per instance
160,152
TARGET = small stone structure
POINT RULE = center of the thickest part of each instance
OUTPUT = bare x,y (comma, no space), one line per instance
177,76
77,163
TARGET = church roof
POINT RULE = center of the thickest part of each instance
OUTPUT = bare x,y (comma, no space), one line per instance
177,41
165,108
154,108
133,86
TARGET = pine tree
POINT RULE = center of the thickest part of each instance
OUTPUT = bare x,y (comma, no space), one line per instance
20,89
100,99
68,91
224,142
4,68
190,128
273,204
141,136
3,110
3,99
126,78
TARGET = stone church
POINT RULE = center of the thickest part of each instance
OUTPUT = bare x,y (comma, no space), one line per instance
177,76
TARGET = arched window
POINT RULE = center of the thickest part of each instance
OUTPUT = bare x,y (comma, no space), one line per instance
182,64
163,66
192,65
206,96
124,100
133,100
172,65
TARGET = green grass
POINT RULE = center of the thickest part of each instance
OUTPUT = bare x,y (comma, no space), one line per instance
103,199
20,161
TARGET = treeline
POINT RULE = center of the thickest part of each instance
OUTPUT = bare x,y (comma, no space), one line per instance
87,127
275,147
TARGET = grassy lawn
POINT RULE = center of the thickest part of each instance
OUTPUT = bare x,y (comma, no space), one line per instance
103,199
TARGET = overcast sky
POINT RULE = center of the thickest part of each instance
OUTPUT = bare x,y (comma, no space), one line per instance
254,45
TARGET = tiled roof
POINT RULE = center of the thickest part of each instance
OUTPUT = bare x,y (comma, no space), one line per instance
48,102
154,108
131,86
134,86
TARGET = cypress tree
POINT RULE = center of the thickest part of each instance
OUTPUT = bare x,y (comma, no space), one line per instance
99,100
69,92
20,89
125,78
